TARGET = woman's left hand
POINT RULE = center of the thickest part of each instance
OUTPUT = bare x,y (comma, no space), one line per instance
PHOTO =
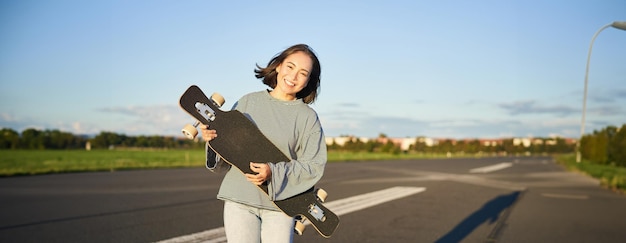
264,173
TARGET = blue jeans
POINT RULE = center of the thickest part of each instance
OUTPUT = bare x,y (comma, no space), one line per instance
244,223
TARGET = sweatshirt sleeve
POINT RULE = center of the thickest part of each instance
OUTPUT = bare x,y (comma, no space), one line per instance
214,162
303,172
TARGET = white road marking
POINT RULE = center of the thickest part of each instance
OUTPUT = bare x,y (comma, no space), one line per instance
359,202
491,168
208,236
340,207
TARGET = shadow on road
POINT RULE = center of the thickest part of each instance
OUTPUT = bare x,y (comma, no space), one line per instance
490,212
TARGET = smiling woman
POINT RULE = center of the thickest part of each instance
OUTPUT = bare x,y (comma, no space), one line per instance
284,116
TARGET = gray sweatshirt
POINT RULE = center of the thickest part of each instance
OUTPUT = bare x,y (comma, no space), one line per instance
295,129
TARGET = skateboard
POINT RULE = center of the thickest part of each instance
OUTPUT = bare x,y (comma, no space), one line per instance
241,142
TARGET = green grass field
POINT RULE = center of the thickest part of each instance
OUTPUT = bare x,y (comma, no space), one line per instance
33,162
612,177
340,156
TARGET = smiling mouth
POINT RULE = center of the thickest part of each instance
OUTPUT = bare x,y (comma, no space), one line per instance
289,83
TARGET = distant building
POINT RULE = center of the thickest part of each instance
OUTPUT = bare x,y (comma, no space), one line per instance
522,141
344,139
403,143
490,142
427,141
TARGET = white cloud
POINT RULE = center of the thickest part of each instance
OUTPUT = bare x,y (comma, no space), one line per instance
531,107
149,120
6,118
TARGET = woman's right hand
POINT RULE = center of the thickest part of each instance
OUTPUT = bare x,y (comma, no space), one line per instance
207,134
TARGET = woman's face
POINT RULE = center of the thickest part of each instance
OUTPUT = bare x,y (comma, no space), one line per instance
293,75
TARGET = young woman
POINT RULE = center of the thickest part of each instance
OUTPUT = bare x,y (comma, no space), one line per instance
283,115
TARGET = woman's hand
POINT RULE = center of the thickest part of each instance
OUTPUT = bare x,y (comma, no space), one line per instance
264,173
207,134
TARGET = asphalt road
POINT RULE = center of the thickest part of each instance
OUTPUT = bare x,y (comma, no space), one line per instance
529,199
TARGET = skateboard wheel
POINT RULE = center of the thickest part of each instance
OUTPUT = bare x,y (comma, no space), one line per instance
218,99
190,131
299,228
321,194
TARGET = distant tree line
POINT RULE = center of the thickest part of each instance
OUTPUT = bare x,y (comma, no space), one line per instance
37,139
54,139
607,146
356,145
110,139
506,146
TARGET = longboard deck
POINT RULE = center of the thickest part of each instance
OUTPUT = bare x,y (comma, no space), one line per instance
241,142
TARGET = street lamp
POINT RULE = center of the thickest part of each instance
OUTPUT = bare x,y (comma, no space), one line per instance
618,25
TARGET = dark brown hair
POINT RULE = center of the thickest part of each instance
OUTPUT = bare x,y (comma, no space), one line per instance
269,75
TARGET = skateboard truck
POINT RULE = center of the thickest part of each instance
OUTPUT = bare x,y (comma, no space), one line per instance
317,212
191,131
314,210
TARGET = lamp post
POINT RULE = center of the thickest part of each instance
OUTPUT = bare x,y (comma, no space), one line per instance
618,25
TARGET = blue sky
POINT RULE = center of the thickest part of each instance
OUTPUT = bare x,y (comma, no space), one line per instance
458,69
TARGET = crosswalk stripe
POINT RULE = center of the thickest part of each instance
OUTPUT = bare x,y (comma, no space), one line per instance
491,168
340,207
